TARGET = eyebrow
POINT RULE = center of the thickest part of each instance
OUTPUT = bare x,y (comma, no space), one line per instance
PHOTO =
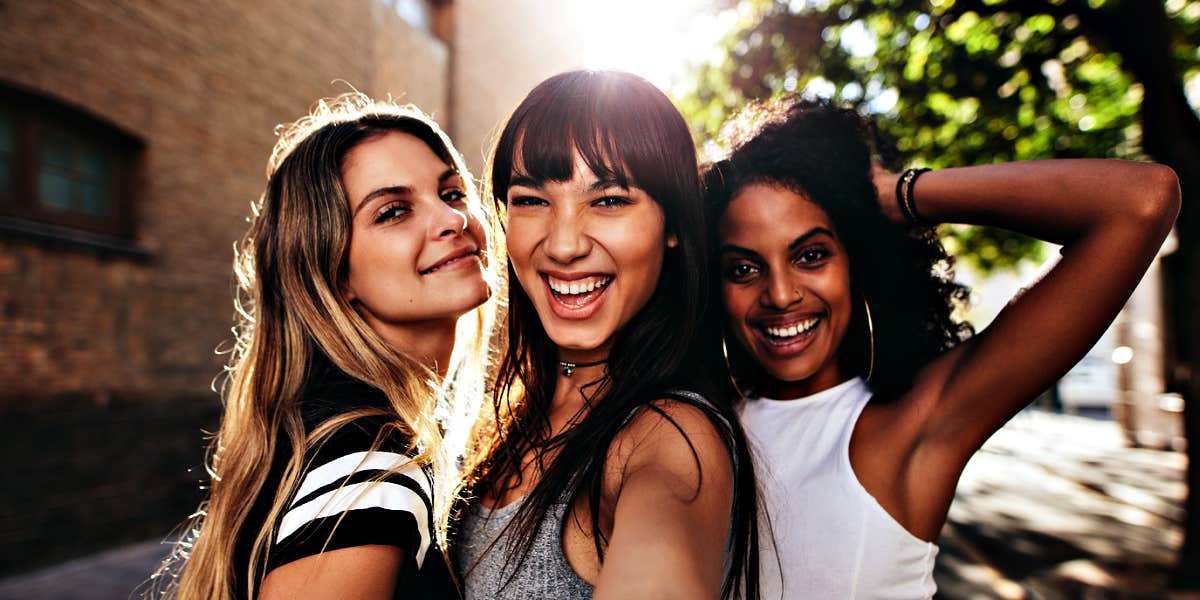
799,241
399,190
605,183
524,181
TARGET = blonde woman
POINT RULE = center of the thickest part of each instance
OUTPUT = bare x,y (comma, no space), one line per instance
365,250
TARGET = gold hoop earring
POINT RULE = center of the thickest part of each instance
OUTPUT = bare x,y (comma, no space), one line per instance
870,339
729,368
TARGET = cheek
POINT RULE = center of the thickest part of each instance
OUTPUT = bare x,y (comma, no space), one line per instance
641,243
737,302
475,230
643,257
381,263
841,291
519,239
841,299
357,262
731,300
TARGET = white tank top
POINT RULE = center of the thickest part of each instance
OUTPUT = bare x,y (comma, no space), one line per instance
832,539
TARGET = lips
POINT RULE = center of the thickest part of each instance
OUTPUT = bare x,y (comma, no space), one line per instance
576,295
456,259
787,336
790,330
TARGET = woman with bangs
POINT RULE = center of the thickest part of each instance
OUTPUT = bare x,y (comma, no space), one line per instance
361,280
865,395
610,464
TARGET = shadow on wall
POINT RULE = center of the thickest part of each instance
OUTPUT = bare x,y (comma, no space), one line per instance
82,474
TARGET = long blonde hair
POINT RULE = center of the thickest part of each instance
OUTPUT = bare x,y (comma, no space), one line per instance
290,265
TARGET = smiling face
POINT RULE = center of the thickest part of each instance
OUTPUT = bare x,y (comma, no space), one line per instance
587,252
785,282
415,248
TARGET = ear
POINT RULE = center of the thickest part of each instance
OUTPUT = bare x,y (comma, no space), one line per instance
672,240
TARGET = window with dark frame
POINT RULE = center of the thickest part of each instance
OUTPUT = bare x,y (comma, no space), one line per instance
62,170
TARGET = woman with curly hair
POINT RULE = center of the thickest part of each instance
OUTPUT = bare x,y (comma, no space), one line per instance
361,280
865,396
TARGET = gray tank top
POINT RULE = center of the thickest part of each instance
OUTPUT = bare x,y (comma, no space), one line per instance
481,554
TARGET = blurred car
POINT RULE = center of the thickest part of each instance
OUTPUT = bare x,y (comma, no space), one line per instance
1092,383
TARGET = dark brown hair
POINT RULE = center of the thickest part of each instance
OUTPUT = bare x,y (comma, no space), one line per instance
625,128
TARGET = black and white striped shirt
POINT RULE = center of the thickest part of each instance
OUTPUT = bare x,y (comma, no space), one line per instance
350,495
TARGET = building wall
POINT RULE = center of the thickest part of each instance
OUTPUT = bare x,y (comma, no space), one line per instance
502,50
106,360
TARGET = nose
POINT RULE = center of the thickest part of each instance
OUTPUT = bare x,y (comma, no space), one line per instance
448,221
566,241
781,291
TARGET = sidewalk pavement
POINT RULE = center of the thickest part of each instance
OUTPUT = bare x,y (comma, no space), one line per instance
109,575
1054,507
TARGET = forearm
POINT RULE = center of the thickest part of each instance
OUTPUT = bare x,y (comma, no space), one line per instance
1059,201
1110,217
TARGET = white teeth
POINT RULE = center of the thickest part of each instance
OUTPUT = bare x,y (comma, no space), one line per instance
793,329
579,286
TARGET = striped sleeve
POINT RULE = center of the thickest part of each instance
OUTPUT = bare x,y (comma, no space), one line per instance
352,496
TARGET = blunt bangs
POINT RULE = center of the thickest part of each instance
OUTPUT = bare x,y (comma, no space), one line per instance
622,127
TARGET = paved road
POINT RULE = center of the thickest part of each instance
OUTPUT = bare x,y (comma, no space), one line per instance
109,575
1053,507
1056,507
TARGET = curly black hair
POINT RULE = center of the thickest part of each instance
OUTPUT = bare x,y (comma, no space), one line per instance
824,152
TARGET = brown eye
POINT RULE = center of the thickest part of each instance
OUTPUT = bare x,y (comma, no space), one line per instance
813,256
612,201
392,211
740,272
453,195
526,201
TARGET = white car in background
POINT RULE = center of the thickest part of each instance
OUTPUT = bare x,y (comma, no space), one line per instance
1092,383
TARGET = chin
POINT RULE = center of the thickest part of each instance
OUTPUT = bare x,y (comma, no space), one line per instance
792,371
465,300
789,375
566,339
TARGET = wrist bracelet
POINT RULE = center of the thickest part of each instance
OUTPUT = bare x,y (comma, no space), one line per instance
904,196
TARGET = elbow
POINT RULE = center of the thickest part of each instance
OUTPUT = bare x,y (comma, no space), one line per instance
1157,204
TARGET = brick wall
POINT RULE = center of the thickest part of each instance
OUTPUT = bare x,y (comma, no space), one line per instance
502,50
105,360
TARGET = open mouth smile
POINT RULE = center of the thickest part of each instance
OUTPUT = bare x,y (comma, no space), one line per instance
574,297
785,338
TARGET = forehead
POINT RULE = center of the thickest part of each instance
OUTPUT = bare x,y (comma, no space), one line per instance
393,158
760,214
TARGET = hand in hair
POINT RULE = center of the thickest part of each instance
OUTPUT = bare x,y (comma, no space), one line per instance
1111,218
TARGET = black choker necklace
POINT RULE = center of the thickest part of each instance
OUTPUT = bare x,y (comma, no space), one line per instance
568,368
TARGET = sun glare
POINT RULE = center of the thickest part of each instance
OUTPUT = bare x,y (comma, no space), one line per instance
657,40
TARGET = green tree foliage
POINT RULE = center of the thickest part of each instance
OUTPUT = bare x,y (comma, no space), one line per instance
960,82
954,83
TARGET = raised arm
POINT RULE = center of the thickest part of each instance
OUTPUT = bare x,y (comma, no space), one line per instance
672,514
1110,217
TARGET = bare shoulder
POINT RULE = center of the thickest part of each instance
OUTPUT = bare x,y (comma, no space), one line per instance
676,441
672,505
